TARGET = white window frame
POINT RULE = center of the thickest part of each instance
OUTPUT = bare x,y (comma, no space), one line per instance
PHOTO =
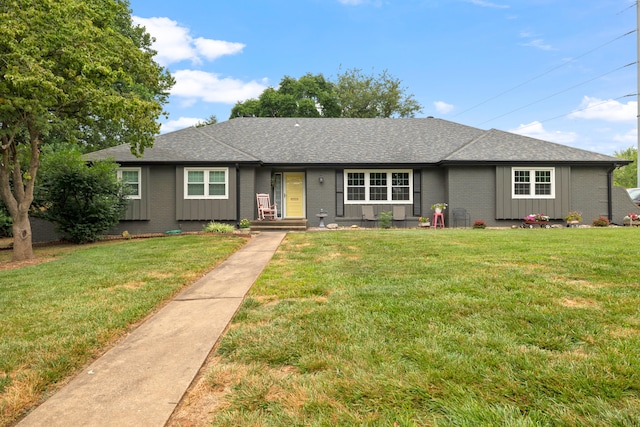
532,183
139,183
206,195
367,175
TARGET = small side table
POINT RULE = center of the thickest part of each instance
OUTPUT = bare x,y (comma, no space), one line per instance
438,216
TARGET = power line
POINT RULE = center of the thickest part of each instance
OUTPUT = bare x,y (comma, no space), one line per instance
545,73
557,93
578,111
631,6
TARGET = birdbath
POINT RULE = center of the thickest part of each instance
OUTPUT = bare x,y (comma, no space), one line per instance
322,215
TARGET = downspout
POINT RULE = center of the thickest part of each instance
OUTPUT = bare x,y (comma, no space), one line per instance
237,195
610,192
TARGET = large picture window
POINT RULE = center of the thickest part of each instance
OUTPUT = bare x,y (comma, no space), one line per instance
130,177
378,186
206,183
532,183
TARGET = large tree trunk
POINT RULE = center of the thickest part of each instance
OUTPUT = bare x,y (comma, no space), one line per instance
16,188
22,241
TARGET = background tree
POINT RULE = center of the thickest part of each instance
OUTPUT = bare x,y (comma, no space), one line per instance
353,94
73,70
83,201
627,176
212,120
370,96
276,104
248,108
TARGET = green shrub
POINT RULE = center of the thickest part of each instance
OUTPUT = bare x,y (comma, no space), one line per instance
385,219
6,222
83,201
218,227
244,223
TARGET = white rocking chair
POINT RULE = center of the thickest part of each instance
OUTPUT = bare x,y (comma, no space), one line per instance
265,208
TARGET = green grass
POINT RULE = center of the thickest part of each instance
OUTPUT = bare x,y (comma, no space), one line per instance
445,328
57,316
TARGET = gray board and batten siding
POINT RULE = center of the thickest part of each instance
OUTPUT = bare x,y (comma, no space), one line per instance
509,208
463,166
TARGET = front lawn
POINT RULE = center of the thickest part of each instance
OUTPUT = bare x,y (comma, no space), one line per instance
58,315
446,328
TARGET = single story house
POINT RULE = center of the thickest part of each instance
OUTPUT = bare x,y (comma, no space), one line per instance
199,174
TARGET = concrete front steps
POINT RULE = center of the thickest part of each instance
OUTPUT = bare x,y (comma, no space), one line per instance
279,225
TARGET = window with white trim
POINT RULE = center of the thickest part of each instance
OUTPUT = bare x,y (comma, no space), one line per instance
533,183
378,186
130,177
206,183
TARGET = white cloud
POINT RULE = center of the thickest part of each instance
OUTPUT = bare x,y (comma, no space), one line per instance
538,44
489,4
181,123
213,49
174,44
534,41
443,107
631,137
608,110
536,130
209,87
352,2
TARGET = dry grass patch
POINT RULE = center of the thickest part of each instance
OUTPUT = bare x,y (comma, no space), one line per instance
58,316
579,303
10,265
449,328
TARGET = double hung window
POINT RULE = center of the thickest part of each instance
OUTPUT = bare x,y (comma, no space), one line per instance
206,183
378,186
130,177
533,183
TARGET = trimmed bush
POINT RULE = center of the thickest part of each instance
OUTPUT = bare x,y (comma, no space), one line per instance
601,222
83,201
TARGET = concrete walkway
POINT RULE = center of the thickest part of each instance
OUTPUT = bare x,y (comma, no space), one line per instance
141,380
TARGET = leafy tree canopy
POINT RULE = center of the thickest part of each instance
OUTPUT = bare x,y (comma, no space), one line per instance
353,94
627,176
71,70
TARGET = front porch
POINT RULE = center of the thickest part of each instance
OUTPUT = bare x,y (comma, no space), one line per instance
279,225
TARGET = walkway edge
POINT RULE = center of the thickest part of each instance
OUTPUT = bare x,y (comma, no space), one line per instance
141,380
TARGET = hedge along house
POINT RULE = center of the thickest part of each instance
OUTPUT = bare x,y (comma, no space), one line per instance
195,175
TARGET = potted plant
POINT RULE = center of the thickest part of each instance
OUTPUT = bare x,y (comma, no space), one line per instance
573,218
424,222
439,207
244,225
632,219
536,219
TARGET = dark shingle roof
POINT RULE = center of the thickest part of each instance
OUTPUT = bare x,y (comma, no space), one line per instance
498,146
347,141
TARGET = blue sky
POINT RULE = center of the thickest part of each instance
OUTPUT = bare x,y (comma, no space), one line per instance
552,69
